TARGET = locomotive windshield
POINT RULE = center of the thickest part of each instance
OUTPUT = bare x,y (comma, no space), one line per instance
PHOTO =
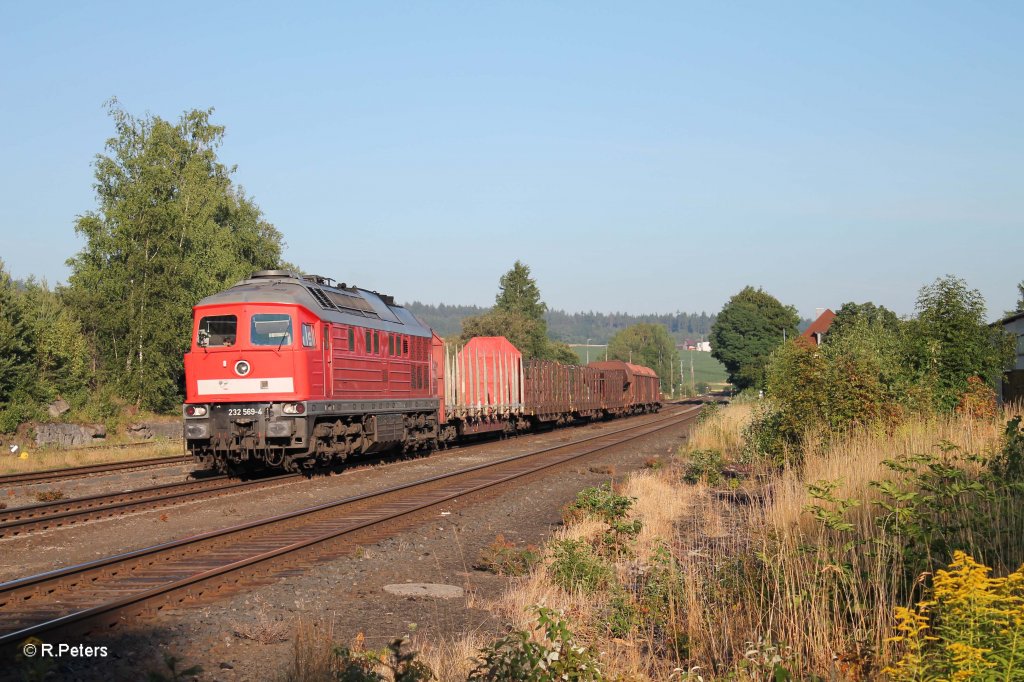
217,330
271,330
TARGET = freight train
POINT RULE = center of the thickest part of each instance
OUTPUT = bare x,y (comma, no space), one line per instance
295,372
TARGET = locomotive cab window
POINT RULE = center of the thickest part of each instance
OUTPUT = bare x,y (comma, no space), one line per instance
308,338
271,329
217,330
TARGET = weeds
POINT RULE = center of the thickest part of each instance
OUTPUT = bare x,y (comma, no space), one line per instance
50,495
504,558
704,465
972,628
391,664
600,503
575,566
556,656
264,630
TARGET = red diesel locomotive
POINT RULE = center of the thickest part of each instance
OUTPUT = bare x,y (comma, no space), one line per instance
290,371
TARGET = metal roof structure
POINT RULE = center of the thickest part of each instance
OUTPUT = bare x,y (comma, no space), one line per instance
340,304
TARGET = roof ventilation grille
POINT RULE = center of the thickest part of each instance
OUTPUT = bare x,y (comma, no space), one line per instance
321,298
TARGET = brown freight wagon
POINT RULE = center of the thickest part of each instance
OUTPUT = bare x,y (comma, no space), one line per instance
554,392
629,388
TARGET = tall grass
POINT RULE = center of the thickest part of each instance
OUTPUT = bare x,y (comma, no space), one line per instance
818,569
724,431
39,460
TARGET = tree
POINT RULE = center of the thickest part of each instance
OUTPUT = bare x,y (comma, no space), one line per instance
646,344
170,228
851,313
751,325
522,331
518,315
61,352
16,354
951,341
518,293
1020,300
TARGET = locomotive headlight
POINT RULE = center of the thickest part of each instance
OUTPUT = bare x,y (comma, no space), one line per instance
293,408
242,368
195,410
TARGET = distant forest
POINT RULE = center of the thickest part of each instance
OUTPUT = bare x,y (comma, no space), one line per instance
572,327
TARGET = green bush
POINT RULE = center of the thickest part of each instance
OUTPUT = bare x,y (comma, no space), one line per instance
599,503
765,438
22,408
518,656
1008,463
577,567
621,615
618,539
660,595
708,411
365,666
704,465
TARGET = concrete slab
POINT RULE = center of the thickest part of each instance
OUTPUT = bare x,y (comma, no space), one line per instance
432,590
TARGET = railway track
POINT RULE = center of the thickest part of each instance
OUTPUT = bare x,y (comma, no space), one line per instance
36,517
30,477
105,592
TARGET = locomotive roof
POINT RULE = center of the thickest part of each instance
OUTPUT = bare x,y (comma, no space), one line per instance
341,304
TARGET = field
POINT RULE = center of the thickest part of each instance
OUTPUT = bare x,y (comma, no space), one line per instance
705,367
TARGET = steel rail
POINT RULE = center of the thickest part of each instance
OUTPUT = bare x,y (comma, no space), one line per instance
68,512
54,599
29,477
63,513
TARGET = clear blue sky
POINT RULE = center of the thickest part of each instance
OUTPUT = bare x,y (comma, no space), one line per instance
643,157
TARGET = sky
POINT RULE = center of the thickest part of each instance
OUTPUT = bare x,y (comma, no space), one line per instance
639,157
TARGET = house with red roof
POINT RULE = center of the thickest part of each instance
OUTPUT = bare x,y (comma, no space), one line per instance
816,332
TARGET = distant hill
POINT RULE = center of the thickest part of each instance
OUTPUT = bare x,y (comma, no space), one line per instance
572,327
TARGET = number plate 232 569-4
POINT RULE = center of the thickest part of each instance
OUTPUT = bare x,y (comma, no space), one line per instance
245,411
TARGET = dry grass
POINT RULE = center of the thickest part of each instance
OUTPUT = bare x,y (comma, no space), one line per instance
830,593
264,629
312,658
660,505
516,604
724,431
39,460
856,460
450,659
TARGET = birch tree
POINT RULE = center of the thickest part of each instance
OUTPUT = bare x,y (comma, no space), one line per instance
170,228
